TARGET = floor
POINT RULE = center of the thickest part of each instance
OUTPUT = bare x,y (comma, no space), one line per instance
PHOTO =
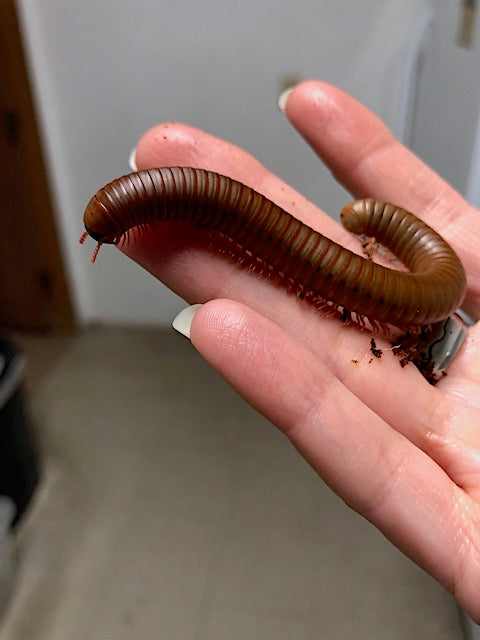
169,509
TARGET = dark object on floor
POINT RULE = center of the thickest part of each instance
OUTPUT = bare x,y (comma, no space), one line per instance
19,456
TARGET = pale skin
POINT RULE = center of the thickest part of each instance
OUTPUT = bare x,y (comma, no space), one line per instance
402,453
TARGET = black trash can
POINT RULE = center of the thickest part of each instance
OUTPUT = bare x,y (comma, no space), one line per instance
19,454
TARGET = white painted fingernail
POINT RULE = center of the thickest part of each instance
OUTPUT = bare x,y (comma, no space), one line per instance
131,159
183,321
283,98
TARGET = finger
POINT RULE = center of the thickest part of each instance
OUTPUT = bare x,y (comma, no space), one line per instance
364,155
181,256
369,161
177,144
373,468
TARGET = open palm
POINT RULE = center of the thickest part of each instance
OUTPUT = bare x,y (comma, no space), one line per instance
404,454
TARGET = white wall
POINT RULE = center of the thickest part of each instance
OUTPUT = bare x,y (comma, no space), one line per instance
105,71
448,101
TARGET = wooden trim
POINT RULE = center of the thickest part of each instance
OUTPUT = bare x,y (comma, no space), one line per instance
23,179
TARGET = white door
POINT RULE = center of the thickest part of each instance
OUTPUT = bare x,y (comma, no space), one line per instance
447,102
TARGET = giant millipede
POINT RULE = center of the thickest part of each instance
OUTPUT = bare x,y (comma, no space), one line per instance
289,251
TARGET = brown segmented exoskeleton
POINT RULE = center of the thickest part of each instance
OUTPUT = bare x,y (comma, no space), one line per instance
289,251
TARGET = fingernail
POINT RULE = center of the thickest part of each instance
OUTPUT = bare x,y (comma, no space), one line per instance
131,159
183,321
283,98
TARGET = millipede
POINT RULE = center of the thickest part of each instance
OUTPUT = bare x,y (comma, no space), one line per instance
256,230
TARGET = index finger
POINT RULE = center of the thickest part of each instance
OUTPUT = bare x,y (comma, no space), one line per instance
367,159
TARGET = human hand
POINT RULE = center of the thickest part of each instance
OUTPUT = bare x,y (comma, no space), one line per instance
402,453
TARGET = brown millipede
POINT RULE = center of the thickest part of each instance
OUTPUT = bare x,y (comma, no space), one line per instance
314,266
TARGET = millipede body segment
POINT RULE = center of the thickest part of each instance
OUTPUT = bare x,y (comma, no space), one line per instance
316,267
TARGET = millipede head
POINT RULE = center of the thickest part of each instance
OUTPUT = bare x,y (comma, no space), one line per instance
98,224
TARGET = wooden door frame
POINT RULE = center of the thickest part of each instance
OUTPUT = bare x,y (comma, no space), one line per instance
19,122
